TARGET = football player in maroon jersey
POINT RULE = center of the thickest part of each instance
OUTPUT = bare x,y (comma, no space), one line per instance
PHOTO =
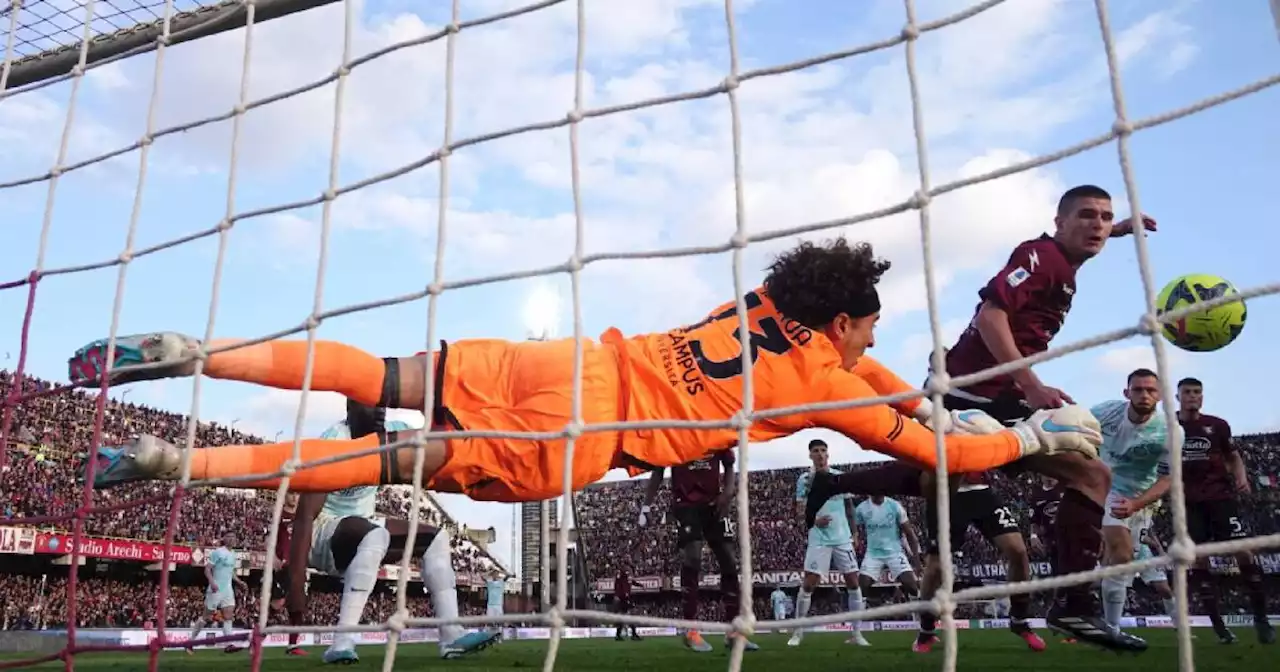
1213,475
1022,308
701,495
622,585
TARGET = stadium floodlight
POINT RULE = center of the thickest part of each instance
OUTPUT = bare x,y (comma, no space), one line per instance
45,36
541,313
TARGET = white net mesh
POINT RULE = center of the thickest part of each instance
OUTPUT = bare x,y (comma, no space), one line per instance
24,44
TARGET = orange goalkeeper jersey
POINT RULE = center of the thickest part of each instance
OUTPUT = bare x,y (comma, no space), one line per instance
696,373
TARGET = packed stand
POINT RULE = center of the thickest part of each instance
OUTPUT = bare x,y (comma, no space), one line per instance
31,602
50,434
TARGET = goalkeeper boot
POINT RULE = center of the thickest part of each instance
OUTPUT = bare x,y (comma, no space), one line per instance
747,645
168,354
146,458
1076,616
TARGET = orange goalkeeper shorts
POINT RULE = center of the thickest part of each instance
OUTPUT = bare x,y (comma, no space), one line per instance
496,385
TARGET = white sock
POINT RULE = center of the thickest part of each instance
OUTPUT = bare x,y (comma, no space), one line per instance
441,583
226,629
1114,593
1171,608
802,605
856,604
358,581
197,628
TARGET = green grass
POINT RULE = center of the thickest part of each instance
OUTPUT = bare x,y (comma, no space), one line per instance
980,650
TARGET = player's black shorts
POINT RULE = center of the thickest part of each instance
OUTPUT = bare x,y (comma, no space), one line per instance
279,584
621,605
980,508
699,522
1216,520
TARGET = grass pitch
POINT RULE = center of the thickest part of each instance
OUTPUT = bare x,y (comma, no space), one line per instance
980,651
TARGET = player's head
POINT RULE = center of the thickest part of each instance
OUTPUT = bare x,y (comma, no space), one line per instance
1190,395
818,454
228,538
1083,223
877,499
1048,482
830,287
1143,391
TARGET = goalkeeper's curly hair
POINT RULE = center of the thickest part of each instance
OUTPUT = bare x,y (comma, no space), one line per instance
813,283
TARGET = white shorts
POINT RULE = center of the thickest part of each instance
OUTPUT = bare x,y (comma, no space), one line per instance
780,613
321,557
823,559
1136,523
493,610
223,599
875,567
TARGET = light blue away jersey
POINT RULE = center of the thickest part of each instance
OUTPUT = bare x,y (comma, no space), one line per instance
493,592
837,532
1136,453
883,523
779,599
222,564
358,501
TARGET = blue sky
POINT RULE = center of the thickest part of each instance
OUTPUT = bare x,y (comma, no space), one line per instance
1019,80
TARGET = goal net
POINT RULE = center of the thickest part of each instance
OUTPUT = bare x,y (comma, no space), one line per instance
60,53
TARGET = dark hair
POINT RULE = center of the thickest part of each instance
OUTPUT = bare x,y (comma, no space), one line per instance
1082,191
1141,373
1188,381
813,283
817,442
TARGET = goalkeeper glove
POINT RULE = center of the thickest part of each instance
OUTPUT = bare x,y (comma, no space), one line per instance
1070,429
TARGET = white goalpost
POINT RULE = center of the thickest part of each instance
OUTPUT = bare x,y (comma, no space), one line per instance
36,58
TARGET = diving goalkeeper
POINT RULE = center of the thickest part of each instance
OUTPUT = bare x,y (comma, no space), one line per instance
810,325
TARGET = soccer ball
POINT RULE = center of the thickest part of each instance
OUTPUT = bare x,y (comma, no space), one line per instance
1207,330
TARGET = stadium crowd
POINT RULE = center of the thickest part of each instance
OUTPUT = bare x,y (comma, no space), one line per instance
49,435
47,439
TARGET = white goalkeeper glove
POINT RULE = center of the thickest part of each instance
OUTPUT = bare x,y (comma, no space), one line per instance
958,422
1070,429
644,516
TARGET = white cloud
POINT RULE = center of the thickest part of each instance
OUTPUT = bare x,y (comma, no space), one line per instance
1122,360
823,143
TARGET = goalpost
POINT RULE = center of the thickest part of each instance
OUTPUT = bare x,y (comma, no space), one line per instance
48,41
42,50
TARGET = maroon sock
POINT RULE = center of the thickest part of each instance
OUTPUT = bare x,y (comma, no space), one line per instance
729,595
1206,588
689,577
295,618
1078,539
1019,607
893,479
1252,575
